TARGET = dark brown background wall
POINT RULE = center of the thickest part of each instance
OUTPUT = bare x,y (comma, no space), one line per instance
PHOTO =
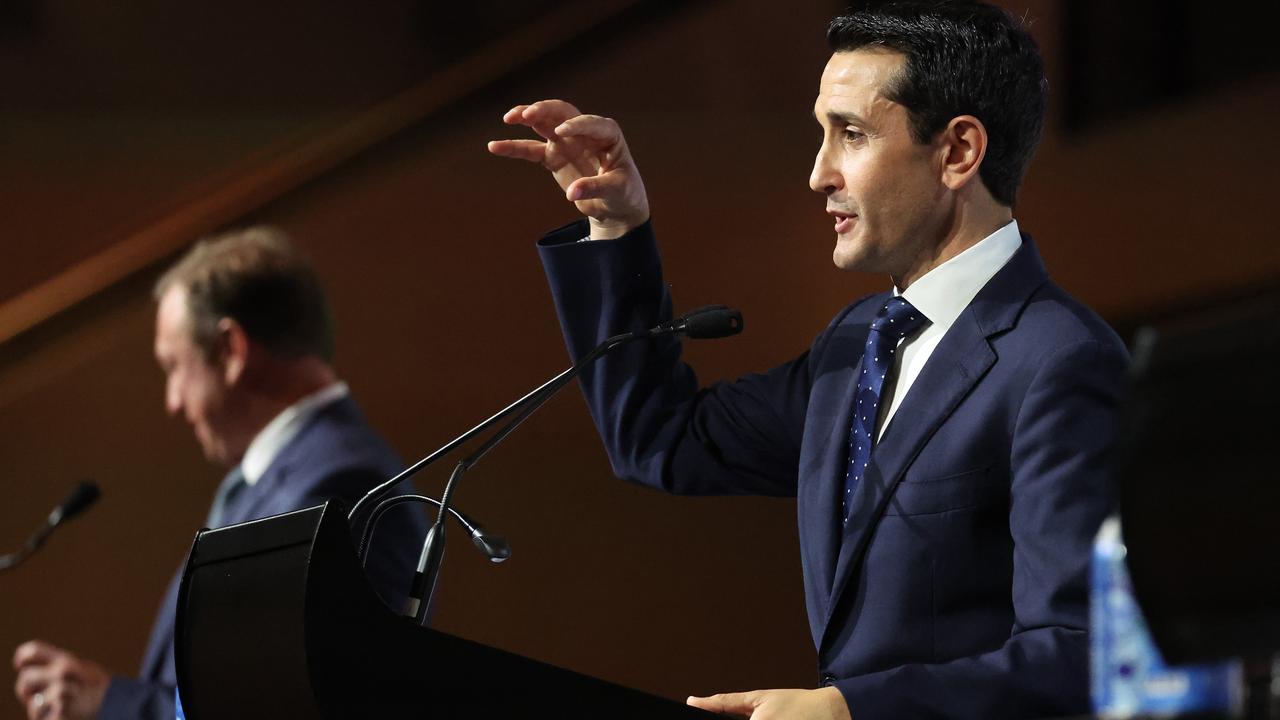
426,244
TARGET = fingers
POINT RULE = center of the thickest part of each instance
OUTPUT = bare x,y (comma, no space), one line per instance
602,130
589,160
64,686
41,665
48,703
530,150
33,652
553,120
542,116
515,116
549,112
740,704
38,707
558,119
31,681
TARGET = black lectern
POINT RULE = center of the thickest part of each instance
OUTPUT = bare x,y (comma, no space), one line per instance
1198,481
276,620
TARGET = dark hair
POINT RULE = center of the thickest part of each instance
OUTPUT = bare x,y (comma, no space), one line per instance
962,58
259,279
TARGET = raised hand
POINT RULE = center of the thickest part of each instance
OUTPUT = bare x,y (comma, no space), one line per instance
588,157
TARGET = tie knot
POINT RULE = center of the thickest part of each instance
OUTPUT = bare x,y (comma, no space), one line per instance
898,318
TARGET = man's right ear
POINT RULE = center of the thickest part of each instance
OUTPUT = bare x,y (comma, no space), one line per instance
231,350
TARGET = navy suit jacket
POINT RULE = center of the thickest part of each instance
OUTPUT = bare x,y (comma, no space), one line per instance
335,455
959,588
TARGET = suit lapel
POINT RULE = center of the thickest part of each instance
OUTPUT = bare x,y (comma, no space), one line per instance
256,501
957,364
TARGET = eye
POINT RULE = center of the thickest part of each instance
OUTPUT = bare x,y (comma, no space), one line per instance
851,134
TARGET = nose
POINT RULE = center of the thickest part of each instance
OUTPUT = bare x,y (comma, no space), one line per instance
172,398
824,178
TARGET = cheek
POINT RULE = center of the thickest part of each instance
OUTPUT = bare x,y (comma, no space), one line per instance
897,189
196,398
866,180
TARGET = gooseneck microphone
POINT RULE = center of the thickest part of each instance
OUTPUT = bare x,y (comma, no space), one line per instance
84,495
494,547
712,321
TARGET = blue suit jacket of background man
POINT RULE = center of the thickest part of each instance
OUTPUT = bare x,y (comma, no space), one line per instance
335,455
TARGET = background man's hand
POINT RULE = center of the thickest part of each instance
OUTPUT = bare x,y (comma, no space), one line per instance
822,704
588,157
53,684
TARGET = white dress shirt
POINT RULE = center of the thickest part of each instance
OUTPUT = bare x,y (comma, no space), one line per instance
269,441
942,294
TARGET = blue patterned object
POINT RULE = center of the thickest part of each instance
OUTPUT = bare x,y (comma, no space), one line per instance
1128,676
177,703
896,320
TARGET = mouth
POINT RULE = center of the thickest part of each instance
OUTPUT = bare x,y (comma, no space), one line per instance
844,220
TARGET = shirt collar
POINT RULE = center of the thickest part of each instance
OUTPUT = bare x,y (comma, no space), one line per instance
269,441
945,291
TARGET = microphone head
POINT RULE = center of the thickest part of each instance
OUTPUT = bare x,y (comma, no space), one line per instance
713,321
494,546
85,495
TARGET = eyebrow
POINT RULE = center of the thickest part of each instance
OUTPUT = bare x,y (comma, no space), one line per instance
847,118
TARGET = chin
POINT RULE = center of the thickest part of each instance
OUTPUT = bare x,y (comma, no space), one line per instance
849,255
860,253
212,453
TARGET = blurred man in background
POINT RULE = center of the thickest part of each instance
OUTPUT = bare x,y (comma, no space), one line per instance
245,340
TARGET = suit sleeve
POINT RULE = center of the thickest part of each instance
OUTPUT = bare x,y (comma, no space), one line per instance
133,699
1061,490
658,428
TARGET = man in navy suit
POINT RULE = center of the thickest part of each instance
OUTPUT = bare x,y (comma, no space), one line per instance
244,337
950,475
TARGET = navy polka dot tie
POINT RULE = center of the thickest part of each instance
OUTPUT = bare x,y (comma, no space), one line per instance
896,320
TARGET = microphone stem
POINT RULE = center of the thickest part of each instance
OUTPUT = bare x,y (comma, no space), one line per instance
423,589
448,447
422,592
28,548
549,387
